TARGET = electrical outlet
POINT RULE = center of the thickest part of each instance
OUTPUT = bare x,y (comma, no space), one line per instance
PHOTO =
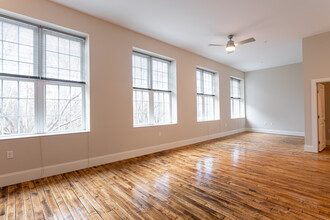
271,124
10,154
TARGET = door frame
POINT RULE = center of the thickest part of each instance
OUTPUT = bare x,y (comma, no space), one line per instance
315,138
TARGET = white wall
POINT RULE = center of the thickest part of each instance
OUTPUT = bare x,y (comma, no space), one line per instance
112,135
316,65
275,100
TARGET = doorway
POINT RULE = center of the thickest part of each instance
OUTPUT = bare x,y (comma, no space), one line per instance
320,114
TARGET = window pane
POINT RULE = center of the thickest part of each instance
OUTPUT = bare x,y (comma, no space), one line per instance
160,75
235,93
141,107
209,107
162,111
63,56
17,114
140,71
199,108
154,79
235,88
208,83
199,81
64,109
206,96
26,125
10,126
235,108
17,42
10,32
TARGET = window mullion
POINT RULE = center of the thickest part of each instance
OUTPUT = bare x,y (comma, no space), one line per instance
40,106
203,109
40,98
151,95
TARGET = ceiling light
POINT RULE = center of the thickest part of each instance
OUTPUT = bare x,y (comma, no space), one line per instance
230,46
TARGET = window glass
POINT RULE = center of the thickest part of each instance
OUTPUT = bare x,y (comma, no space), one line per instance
151,90
205,95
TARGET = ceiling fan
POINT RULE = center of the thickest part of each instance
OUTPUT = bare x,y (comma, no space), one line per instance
231,45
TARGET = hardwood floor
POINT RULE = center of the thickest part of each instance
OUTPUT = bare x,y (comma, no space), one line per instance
245,176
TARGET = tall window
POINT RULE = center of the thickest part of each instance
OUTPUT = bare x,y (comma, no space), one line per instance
152,90
206,96
42,80
236,97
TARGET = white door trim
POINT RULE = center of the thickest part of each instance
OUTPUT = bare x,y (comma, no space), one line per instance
314,111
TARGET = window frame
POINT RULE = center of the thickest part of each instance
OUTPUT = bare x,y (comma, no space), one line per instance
240,98
214,95
171,88
39,74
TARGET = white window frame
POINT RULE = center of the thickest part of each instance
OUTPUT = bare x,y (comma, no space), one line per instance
40,80
215,94
171,87
240,98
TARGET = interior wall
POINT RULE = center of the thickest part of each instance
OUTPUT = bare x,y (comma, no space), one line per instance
111,95
316,65
275,100
327,111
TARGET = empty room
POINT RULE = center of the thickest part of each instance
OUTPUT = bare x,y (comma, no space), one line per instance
164,109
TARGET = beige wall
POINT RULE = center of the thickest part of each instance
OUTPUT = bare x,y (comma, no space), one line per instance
316,65
111,95
275,100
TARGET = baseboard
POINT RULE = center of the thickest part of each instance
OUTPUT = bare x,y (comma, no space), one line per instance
19,177
310,148
281,132
27,175
64,167
149,150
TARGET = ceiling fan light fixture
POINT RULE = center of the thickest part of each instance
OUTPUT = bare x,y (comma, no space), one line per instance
230,46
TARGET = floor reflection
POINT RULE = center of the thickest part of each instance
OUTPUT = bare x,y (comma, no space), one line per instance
235,155
204,170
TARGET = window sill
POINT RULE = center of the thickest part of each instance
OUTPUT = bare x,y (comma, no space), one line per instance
152,125
209,120
42,135
238,118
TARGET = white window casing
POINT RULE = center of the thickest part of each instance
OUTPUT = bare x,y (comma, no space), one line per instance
153,90
207,95
41,57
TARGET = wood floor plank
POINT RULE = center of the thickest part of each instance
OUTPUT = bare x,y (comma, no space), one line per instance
11,204
19,202
28,207
49,185
244,176
3,202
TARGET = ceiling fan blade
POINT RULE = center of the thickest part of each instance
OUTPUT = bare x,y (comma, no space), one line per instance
216,45
245,41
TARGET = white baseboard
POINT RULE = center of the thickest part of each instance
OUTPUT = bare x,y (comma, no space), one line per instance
281,132
64,167
19,177
310,148
27,175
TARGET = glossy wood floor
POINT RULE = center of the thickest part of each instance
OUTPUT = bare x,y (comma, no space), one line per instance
245,176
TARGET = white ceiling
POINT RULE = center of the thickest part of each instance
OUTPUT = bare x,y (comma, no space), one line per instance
277,25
